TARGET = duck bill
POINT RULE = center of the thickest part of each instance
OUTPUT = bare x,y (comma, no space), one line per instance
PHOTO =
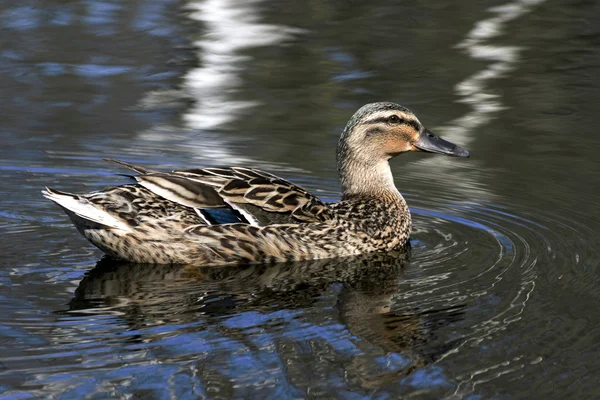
432,143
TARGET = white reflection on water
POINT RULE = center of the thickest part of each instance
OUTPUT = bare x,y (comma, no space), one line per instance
485,105
474,91
231,26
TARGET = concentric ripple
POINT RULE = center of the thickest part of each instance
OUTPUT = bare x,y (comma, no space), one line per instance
477,300
493,262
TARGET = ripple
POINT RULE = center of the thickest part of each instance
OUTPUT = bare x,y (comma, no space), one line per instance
458,315
490,260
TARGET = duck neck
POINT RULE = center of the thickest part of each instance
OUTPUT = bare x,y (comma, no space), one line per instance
364,177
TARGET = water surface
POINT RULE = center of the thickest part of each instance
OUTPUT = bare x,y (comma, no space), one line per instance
497,296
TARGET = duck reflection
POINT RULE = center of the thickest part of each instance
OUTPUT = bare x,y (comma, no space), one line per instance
356,295
185,292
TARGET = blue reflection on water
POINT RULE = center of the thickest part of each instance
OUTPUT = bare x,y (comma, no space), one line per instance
62,16
21,18
52,68
504,241
149,18
427,377
97,71
101,12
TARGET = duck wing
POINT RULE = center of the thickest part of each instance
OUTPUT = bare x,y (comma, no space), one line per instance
252,196
124,208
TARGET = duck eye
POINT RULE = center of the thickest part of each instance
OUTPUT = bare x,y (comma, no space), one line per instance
394,119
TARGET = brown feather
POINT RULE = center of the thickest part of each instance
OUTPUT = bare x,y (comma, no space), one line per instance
166,217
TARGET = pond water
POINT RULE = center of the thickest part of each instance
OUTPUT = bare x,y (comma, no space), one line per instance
498,297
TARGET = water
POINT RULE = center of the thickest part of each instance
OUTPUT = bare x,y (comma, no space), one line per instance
498,298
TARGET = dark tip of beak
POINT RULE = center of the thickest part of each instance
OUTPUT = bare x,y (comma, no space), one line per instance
432,143
460,152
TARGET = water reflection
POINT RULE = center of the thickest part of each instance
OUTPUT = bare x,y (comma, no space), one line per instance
276,313
230,27
484,101
475,90
226,30
511,234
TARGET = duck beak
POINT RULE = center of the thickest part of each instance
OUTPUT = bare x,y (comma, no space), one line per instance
432,143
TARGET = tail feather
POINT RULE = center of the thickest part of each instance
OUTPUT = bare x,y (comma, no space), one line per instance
79,206
137,168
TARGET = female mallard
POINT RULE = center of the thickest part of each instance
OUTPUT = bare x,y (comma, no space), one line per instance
177,217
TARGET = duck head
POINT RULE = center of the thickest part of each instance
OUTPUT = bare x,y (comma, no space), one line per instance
376,133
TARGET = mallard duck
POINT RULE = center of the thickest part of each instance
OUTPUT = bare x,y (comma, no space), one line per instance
236,215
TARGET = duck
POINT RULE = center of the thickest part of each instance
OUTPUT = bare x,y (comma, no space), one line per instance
240,216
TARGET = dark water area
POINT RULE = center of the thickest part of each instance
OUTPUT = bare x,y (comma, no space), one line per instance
497,297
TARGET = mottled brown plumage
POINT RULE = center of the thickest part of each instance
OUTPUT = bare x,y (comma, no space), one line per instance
175,217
